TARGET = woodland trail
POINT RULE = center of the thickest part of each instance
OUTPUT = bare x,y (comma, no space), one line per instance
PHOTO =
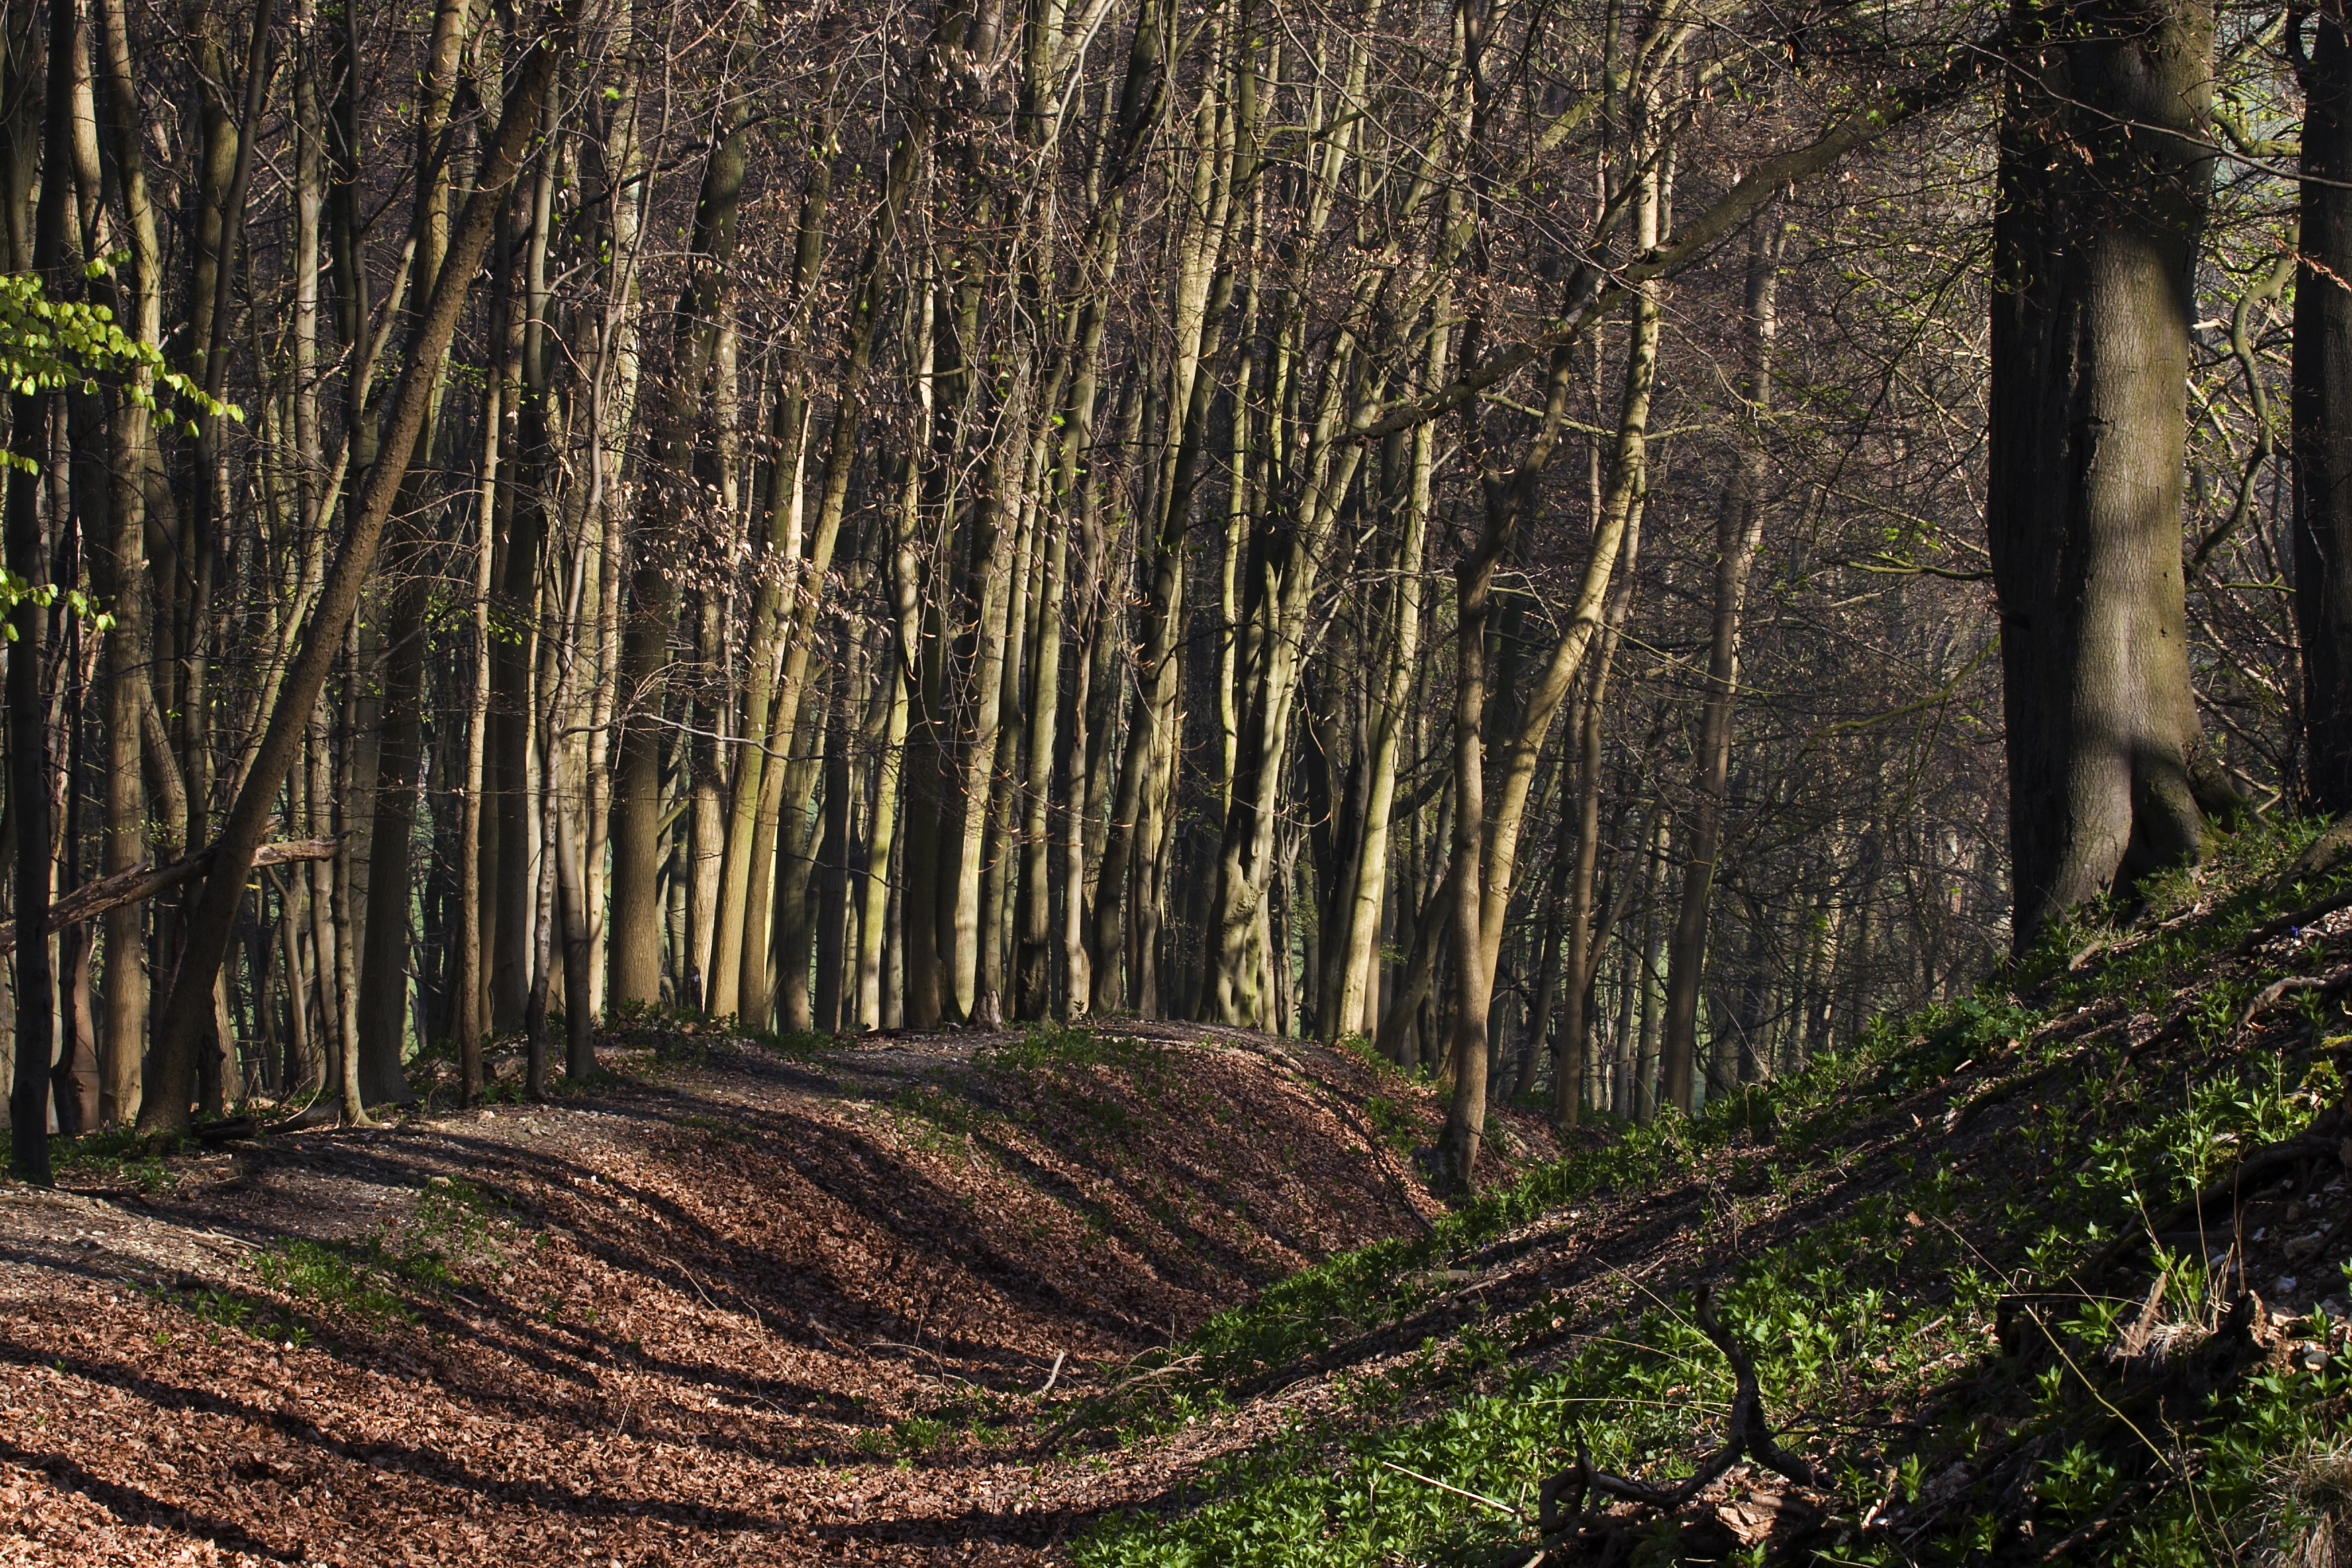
733,1304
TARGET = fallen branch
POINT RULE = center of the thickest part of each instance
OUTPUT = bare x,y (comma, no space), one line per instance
2293,985
2292,922
134,883
1747,1437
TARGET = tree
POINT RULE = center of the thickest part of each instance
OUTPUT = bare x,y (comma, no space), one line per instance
2323,408
2104,170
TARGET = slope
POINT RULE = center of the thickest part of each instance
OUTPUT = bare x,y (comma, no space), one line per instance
2056,1274
778,1301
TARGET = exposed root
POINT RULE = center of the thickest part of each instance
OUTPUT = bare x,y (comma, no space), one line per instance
1562,1499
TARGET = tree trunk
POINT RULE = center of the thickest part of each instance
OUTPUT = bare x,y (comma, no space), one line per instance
130,646
2323,413
2103,188
1485,836
29,808
208,935
1582,960
1739,522
675,464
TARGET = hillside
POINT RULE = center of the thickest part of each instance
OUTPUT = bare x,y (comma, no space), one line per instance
739,1303
2053,1274
2057,1274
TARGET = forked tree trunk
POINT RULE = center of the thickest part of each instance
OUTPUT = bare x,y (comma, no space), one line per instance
2102,190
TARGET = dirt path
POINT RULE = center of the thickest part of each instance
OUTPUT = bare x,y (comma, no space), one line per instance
732,1306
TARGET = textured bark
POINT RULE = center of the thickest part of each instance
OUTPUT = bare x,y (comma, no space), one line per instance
2102,190
2322,415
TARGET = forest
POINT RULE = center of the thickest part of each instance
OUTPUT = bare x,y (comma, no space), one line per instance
1454,526
1577,585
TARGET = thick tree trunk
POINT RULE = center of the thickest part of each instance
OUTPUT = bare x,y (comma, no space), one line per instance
2103,179
2322,415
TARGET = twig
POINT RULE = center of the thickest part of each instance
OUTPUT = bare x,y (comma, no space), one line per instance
1433,1481
1054,1376
1073,1418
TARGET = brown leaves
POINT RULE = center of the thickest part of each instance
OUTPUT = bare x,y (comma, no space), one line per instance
724,1317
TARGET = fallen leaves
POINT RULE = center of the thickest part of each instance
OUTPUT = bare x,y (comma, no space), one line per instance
722,1316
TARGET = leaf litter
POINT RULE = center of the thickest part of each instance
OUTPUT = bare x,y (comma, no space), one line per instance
730,1304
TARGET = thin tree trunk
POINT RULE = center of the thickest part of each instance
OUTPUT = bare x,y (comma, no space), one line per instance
29,810
1739,522
1485,836
208,936
2322,377
1584,939
130,646
675,461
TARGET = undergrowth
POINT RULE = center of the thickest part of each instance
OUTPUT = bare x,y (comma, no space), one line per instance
376,1282
1872,1325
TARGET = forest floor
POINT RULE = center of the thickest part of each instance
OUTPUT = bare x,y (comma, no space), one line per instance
2056,1272
733,1302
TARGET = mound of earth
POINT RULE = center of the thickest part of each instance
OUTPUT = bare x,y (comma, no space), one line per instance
733,1303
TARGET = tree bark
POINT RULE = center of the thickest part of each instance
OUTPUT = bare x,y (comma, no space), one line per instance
29,809
139,307
2103,188
2322,380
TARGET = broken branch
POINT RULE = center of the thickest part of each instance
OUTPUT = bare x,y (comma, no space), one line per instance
135,883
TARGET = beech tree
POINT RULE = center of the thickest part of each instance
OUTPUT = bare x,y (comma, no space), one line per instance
2104,167
1453,531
